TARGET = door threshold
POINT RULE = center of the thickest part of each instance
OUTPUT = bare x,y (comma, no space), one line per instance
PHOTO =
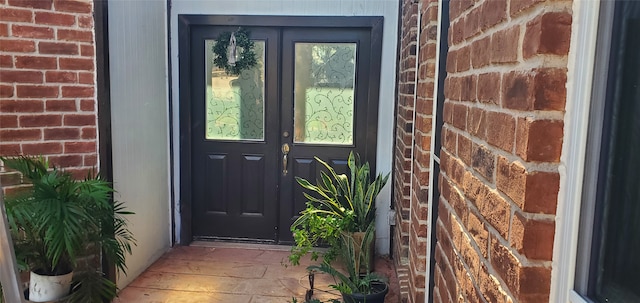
245,245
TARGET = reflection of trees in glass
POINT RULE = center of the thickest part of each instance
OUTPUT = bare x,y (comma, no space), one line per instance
324,95
251,88
333,64
235,104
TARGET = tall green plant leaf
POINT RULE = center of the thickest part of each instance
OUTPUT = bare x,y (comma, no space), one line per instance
348,200
354,255
61,218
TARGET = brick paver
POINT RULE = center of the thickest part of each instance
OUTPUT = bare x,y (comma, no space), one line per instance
224,272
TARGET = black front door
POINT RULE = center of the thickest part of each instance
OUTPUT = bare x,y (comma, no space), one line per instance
308,95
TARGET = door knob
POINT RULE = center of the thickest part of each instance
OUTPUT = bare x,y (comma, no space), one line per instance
285,152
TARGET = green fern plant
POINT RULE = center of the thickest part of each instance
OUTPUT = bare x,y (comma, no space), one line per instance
60,219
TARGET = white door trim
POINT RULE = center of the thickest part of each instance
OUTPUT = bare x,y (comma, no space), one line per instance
581,64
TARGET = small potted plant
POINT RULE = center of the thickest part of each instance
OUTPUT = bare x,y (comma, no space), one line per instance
354,285
60,219
337,204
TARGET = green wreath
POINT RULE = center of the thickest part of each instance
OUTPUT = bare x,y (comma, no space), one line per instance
247,58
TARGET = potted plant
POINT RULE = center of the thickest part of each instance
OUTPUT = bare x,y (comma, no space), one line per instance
59,220
354,285
337,204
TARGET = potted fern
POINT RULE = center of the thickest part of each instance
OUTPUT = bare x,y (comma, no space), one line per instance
337,204
358,284
59,220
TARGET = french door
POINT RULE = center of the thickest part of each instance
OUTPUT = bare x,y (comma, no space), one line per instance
248,135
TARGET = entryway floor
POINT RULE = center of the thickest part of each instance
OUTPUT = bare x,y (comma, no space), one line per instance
235,273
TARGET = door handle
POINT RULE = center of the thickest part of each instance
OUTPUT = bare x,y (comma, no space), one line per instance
285,153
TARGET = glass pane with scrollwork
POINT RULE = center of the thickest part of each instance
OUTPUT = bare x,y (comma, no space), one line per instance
234,104
324,93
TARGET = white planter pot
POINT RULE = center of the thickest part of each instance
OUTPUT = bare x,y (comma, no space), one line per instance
48,288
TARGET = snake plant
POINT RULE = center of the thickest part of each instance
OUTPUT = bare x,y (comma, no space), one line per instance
337,203
353,253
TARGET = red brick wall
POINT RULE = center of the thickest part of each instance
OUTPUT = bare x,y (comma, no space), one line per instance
504,110
412,190
403,140
425,99
47,81
413,144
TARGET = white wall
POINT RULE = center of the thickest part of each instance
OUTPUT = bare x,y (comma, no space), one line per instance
386,8
140,125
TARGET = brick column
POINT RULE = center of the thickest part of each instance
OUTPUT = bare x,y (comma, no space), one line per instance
503,133
403,140
425,98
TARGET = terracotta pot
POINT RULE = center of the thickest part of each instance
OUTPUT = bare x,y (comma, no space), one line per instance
378,291
49,288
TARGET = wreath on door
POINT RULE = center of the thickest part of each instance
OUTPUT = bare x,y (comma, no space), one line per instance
234,52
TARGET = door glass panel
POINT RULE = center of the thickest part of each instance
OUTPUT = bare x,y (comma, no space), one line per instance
618,265
234,104
324,93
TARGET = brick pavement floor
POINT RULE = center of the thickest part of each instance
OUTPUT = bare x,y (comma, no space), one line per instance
235,273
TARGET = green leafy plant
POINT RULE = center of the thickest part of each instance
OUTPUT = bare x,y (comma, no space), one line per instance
60,219
337,204
354,255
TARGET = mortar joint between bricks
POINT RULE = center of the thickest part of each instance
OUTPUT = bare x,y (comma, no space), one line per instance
534,114
537,216
542,115
533,63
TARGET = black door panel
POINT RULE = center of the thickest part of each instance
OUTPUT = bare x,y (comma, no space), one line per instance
234,182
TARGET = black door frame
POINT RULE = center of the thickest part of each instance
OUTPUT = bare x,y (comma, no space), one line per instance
184,43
